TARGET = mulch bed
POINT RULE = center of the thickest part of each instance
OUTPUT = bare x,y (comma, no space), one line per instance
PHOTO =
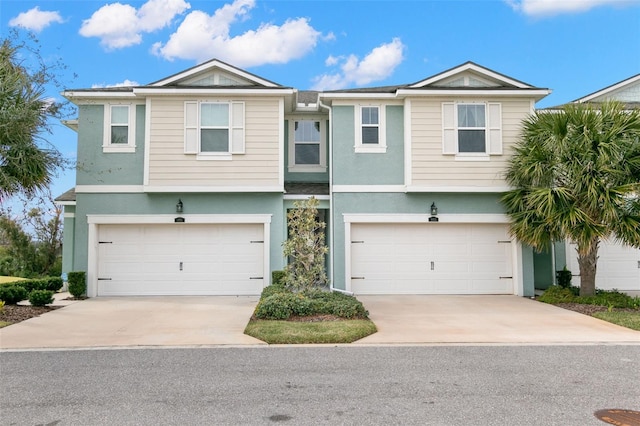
591,309
16,313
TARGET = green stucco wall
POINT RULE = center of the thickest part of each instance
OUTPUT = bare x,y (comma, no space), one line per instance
351,168
98,168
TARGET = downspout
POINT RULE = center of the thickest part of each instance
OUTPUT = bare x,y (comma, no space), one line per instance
331,212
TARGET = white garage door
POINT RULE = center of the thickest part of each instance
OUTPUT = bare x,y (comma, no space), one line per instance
618,267
180,259
431,259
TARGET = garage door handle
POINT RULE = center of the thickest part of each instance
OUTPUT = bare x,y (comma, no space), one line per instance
357,278
433,265
506,278
181,266
256,278
104,279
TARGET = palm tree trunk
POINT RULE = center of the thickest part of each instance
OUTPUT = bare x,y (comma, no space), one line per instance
588,264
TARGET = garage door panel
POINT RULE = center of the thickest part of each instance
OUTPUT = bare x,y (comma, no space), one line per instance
618,267
181,259
431,259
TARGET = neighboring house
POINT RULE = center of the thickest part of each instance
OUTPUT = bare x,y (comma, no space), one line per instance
183,184
618,265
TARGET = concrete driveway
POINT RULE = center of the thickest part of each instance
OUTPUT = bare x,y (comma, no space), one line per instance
220,320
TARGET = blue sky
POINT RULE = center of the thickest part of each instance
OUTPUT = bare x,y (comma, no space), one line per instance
573,47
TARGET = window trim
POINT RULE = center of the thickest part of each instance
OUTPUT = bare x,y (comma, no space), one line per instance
194,127
307,168
492,129
381,146
130,146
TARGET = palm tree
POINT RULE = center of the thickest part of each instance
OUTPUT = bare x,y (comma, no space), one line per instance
576,177
26,164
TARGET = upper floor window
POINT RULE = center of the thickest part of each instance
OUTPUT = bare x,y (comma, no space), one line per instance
307,146
119,132
472,130
214,129
370,130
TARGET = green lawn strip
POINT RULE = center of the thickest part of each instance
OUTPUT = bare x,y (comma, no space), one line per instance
294,332
10,279
626,319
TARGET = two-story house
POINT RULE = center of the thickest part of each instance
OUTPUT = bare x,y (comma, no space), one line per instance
183,184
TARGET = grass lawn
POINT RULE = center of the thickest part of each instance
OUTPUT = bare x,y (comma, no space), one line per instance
295,332
626,319
9,279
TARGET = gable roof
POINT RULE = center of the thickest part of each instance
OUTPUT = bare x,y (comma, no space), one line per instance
626,91
465,79
210,67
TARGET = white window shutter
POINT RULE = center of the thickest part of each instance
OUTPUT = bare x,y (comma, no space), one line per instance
237,128
191,127
448,128
495,129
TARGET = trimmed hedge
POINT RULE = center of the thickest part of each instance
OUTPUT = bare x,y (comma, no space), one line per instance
41,297
77,283
48,283
610,298
12,294
278,303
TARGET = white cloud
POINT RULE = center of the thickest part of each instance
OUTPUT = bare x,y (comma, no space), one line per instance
202,36
125,83
35,19
556,7
377,65
121,25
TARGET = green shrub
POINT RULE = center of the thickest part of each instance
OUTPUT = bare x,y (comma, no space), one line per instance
564,278
556,294
54,283
77,283
610,298
338,304
278,277
273,289
283,306
1,306
41,297
33,284
12,294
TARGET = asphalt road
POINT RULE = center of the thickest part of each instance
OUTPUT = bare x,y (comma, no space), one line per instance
454,385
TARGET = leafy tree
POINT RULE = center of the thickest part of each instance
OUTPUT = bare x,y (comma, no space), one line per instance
27,161
32,241
576,175
305,247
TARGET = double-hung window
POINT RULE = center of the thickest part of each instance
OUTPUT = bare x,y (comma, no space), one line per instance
472,130
307,153
370,131
214,128
119,129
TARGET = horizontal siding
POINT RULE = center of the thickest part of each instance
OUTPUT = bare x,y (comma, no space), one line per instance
170,166
430,168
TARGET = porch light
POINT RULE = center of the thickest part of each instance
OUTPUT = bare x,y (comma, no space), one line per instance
434,209
179,206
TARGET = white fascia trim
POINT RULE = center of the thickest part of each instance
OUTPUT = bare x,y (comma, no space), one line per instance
281,147
208,91
65,203
609,89
424,218
78,95
210,189
147,142
456,189
103,189
484,92
369,188
140,219
69,215
407,142
296,197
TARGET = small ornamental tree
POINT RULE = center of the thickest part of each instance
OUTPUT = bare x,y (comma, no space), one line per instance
305,248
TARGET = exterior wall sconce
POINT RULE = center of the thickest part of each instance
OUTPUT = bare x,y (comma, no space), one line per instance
434,213
179,209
